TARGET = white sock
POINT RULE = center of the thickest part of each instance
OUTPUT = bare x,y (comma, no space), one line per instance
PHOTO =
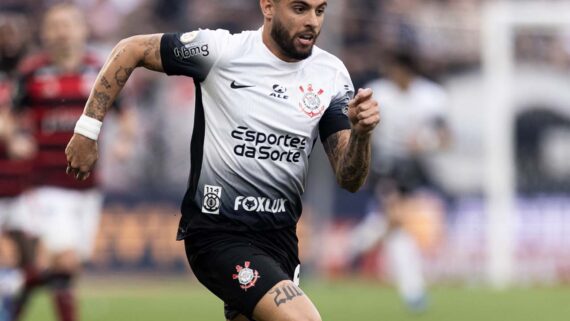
404,261
11,280
367,233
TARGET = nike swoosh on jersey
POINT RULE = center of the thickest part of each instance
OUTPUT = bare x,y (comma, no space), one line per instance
234,85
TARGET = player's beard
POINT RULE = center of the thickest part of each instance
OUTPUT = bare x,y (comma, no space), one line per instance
287,44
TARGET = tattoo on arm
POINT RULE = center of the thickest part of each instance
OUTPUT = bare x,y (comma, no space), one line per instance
151,55
97,107
101,99
286,293
122,75
126,56
349,155
152,45
105,83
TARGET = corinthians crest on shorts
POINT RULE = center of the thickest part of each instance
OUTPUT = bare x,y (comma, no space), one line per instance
311,102
246,276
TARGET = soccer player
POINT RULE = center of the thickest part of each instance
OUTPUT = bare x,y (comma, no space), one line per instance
263,98
13,175
414,128
14,167
53,88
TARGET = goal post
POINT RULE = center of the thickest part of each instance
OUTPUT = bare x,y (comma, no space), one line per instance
498,25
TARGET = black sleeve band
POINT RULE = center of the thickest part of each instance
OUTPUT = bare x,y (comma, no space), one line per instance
190,59
335,118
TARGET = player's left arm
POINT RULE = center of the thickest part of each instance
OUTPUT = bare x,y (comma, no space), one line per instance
18,135
349,150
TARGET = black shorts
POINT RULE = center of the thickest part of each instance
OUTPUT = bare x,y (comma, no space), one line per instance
404,175
239,270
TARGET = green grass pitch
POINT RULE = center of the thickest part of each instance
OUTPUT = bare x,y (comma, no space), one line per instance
183,299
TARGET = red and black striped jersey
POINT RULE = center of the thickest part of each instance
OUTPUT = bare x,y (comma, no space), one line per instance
53,100
14,174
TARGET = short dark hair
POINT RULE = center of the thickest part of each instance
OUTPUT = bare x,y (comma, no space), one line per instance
403,58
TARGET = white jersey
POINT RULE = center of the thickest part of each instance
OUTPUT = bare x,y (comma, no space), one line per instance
257,120
406,115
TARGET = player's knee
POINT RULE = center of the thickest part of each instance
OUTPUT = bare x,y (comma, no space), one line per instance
297,317
61,281
67,262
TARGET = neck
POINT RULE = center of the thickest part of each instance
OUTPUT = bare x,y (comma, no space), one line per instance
69,61
404,85
270,43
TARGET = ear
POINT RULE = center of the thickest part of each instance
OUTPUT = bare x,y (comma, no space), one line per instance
267,8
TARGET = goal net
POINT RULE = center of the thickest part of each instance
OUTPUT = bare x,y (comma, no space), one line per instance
527,108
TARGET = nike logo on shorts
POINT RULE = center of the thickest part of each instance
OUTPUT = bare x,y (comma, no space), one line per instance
235,85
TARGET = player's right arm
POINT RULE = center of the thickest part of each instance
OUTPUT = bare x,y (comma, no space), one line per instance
191,54
128,54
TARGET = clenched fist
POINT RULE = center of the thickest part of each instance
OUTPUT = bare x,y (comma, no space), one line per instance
363,112
82,154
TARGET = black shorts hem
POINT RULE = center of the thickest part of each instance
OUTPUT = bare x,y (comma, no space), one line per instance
239,273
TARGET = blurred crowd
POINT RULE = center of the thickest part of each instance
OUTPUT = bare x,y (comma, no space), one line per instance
445,36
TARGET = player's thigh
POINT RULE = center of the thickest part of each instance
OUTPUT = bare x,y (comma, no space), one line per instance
285,302
58,218
22,216
89,206
67,261
239,274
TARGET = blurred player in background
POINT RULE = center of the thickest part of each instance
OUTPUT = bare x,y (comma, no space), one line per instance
13,181
14,168
413,128
13,175
53,88
263,97
14,39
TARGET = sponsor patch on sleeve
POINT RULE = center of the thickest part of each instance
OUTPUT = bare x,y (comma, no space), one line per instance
188,37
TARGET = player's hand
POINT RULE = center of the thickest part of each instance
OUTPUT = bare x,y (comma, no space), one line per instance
363,112
82,154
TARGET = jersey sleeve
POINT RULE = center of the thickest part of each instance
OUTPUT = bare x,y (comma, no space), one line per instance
335,117
436,106
192,53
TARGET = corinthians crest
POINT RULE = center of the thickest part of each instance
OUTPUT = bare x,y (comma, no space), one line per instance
246,276
311,103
